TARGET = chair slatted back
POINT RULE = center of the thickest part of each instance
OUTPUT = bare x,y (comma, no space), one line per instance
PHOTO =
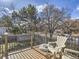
61,41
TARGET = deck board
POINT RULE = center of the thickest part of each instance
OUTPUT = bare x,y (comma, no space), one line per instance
27,54
32,54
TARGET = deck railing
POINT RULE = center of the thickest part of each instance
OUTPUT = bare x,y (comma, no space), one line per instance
9,43
17,42
73,43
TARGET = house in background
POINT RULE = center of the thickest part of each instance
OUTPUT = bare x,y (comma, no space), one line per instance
3,30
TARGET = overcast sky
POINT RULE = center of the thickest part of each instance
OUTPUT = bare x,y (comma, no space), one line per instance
73,5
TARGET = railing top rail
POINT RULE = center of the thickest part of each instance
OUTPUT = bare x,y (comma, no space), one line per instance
70,50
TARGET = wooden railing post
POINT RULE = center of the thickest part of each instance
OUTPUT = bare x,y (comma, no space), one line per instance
6,45
31,42
0,43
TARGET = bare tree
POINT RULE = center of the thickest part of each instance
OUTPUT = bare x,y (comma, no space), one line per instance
70,26
55,18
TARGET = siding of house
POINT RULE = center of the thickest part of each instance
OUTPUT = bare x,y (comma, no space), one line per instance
2,30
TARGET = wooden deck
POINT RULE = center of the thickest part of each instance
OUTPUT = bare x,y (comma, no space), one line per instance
26,54
34,53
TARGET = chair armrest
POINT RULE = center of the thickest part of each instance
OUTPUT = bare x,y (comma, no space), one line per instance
60,48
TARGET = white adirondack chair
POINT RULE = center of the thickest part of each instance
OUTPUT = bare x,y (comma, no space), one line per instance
60,44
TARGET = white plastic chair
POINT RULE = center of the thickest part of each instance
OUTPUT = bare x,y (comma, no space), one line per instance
60,44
